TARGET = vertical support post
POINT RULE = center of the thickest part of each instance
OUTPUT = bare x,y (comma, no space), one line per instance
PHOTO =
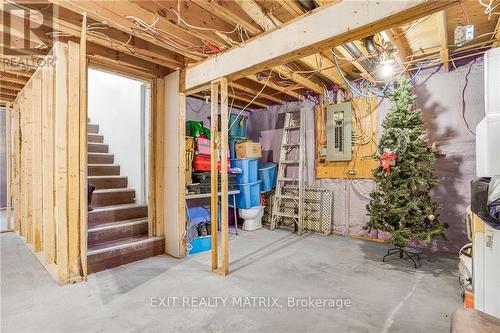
173,204
17,164
214,111
9,163
61,161
37,189
224,189
28,170
153,150
49,232
74,162
83,147
182,174
159,197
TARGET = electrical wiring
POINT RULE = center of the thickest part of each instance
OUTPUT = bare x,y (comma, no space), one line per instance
220,33
489,8
464,13
404,32
354,89
463,97
253,99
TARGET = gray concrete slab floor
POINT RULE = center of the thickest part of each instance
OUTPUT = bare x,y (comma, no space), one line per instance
140,297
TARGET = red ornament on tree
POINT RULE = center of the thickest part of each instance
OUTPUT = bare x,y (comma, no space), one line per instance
387,159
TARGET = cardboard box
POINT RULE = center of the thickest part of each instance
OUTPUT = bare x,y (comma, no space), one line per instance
246,149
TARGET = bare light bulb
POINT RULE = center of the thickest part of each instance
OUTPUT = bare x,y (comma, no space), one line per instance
387,70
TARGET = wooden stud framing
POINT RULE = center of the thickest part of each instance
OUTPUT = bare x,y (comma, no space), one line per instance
8,143
159,111
36,162
214,107
83,115
221,268
74,161
443,37
173,204
47,164
224,269
49,236
61,160
181,174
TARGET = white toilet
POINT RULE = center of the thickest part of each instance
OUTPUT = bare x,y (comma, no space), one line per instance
252,217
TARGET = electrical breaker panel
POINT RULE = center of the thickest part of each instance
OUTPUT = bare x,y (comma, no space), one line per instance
339,132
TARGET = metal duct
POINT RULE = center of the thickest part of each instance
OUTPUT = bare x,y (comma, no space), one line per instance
369,44
368,64
308,4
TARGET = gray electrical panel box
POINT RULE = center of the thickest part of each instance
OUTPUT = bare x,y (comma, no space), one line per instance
339,132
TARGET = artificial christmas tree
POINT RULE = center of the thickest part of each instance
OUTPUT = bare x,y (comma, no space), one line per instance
401,203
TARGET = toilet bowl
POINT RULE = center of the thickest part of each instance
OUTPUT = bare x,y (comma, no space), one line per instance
252,217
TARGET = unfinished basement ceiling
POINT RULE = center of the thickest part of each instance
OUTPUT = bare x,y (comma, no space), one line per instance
154,38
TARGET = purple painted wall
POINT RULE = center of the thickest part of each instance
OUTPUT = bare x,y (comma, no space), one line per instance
439,94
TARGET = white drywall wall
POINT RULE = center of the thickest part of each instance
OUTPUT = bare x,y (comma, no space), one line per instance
115,105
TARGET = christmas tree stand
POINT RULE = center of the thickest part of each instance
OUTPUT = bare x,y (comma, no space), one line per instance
414,257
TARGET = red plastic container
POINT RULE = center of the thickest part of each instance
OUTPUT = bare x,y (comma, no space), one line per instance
203,163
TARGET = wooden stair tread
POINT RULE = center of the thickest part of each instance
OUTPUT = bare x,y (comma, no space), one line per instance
105,177
113,190
117,224
115,207
120,244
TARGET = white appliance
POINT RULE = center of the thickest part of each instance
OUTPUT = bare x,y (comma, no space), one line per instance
486,239
487,132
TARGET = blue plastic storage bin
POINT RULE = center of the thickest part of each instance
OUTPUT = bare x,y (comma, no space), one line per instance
267,174
249,195
200,244
199,214
239,128
232,145
249,167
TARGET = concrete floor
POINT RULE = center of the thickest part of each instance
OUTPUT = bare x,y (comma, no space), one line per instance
384,297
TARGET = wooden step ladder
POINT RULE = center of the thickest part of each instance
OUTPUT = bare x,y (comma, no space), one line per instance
291,156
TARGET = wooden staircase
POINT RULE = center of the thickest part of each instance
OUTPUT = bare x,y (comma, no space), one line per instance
117,225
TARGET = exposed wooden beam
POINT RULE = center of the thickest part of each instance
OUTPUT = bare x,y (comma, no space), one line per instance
325,66
274,86
16,73
7,92
255,11
497,34
309,84
246,99
188,16
254,92
234,102
114,13
442,28
7,97
227,15
115,40
292,7
11,86
13,79
353,20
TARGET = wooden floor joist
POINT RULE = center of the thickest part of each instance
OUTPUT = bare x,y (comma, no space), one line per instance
291,41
